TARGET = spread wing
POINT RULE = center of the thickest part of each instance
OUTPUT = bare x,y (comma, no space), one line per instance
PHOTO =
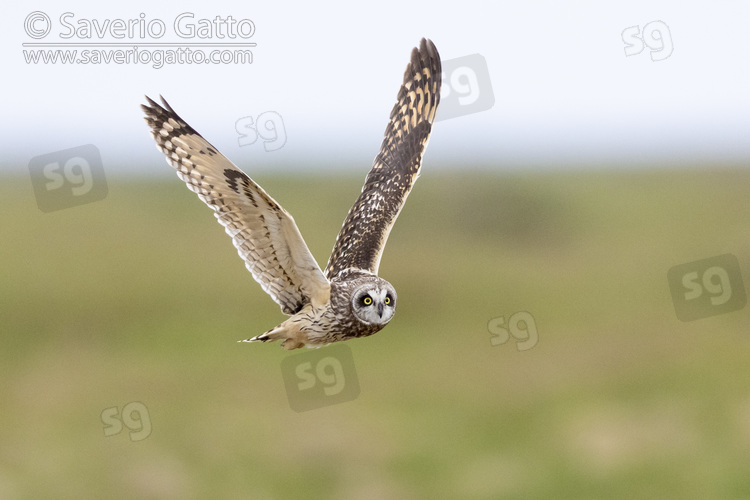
362,238
265,235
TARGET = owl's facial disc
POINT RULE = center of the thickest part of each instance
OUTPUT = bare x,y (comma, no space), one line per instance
375,304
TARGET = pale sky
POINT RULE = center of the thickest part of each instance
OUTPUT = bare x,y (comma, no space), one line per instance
327,73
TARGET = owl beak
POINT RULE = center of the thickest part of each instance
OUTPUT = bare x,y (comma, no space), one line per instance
380,310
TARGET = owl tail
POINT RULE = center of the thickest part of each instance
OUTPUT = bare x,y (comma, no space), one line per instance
292,337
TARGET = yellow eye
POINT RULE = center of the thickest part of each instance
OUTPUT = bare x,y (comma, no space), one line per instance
387,301
367,301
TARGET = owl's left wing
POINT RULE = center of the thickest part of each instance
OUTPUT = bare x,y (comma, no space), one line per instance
362,238
265,234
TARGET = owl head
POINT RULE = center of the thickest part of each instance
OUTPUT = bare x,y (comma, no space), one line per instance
374,301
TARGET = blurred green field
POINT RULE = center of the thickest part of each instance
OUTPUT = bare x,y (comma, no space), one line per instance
141,297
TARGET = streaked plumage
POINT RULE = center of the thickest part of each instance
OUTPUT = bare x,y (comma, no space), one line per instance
349,300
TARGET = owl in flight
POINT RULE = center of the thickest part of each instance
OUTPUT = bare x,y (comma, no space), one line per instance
349,299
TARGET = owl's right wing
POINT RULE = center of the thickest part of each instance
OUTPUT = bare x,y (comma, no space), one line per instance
361,240
265,234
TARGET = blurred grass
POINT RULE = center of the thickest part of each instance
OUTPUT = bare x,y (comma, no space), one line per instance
141,297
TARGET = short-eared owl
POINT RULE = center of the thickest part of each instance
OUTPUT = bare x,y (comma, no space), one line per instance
348,300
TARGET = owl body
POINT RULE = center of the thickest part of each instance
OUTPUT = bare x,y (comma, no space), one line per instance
360,305
349,300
